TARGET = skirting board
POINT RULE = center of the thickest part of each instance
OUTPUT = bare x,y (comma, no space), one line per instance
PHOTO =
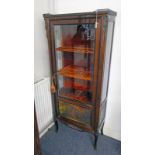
116,134
43,132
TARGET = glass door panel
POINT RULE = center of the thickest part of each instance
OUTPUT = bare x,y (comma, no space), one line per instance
75,113
75,49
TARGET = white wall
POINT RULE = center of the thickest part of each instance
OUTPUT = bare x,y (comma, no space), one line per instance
113,116
41,59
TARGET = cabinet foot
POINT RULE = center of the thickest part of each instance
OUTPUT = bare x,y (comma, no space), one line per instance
56,126
95,140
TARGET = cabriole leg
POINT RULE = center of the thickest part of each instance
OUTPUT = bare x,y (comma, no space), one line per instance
102,129
56,125
95,140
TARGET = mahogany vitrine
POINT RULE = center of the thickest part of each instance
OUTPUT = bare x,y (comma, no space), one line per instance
80,47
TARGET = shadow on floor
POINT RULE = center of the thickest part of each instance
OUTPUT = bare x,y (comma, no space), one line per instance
68,141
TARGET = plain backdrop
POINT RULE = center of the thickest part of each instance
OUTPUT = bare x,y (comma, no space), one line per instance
112,126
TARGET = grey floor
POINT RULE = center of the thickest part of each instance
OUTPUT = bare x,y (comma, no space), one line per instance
68,141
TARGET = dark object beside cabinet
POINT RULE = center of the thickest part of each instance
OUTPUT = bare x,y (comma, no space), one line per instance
37,149
80,48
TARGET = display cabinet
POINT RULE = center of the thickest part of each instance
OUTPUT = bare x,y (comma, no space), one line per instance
80,47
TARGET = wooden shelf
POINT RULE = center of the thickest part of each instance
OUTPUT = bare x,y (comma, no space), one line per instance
76,72
83,96
82,50
77,86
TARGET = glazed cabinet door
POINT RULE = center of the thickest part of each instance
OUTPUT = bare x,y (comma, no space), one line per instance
74,47
76,63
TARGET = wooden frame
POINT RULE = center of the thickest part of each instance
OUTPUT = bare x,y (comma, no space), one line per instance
100,59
